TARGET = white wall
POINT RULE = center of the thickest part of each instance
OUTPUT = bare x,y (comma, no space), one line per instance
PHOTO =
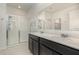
3,19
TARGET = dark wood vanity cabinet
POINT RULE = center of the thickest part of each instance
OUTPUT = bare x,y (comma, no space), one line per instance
34,44
46,51
30,44
38,48
41,46
35,47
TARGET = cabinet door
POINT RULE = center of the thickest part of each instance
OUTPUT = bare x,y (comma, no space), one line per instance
46,51
30,44
35,48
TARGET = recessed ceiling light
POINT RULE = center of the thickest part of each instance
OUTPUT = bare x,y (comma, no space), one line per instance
19,6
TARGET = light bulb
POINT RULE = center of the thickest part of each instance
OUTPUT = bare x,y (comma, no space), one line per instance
19,6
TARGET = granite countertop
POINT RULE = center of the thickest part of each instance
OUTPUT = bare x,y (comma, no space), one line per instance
68,41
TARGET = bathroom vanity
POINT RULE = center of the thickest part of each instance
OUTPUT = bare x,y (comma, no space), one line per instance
59,21
47,44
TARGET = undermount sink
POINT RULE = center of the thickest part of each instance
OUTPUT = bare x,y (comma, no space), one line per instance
51,35
64,35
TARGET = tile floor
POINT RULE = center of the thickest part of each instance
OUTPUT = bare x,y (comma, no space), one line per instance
21,49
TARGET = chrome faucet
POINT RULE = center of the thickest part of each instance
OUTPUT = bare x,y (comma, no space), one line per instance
64,35
41,32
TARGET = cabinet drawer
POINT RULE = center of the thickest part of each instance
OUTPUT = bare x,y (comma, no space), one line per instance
62,49
30,45
35,48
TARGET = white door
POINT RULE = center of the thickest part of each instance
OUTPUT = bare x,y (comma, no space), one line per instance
23,28
13,38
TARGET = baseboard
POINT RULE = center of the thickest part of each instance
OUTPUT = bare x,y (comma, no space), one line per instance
3,48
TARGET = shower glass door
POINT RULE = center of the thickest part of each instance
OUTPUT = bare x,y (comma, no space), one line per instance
12,30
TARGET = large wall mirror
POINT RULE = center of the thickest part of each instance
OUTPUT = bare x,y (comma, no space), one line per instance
74,20
58,17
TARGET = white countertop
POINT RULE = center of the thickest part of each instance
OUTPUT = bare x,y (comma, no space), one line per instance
68,41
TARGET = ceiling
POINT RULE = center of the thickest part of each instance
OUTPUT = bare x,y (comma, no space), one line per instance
53,7
24,6
59,6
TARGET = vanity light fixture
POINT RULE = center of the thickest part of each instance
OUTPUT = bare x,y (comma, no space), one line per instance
19,6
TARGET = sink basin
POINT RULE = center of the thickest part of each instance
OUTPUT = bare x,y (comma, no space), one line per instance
64,35
51,35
